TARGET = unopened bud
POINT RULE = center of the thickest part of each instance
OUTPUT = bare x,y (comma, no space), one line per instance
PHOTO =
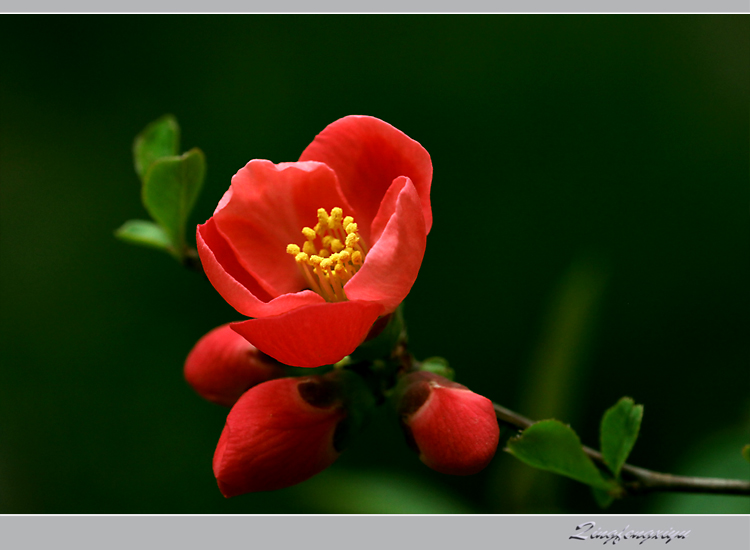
223,365
453,429
285,431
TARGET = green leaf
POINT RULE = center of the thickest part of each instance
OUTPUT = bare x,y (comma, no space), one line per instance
144,233
170,189
440,366
619,430
551,445
602,498
746,452
159,139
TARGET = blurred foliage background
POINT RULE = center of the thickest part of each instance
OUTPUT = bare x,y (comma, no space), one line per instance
590,241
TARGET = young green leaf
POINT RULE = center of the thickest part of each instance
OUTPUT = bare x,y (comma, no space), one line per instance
438,365
144,233
602,498
159,139
619,430
170,189
746,452
551,445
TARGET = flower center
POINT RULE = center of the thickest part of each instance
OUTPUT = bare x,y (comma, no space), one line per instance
332,253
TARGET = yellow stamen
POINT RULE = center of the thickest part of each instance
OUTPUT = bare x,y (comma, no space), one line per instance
306,271
341,272
332,253
309,233
327,292
336,245
327,263
352,239
309,247
337,288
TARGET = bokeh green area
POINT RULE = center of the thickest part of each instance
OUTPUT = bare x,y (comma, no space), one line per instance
590,241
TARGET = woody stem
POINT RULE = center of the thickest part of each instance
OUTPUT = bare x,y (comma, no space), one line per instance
641,480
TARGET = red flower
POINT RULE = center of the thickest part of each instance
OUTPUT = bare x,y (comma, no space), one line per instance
316,250
453,429
223,365
285,431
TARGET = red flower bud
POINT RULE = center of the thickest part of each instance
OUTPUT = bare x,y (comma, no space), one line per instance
453,429
223,365
285,431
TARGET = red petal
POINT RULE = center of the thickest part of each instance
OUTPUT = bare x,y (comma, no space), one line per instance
312,336
223,365
236,285
392,265
267,208
273,439
367,154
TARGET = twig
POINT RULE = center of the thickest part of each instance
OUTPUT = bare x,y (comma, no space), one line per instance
641,480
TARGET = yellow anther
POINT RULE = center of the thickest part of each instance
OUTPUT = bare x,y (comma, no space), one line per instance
336,245
330,263
352,239
309,247
309,233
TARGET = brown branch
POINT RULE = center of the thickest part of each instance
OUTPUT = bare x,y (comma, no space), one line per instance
641,480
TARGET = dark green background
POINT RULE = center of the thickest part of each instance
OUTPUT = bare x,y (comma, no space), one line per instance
590,241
